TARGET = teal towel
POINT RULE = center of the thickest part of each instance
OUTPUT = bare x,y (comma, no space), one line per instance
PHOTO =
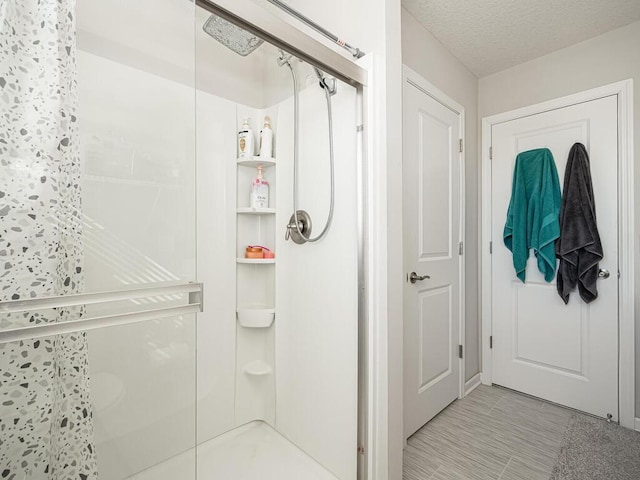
532,218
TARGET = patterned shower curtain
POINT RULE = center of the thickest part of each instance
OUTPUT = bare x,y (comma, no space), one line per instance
46,429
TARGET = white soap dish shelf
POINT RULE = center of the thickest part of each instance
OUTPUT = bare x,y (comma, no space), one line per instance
257,161
256,316
257,368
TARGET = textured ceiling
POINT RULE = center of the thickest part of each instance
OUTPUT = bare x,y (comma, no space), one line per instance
491,35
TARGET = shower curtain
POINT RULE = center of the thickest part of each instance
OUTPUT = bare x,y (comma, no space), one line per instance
46,430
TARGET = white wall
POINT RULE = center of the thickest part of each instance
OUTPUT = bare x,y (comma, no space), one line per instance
423,53
317,285
608,58
153,35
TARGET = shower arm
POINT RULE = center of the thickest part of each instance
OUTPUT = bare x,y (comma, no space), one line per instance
356,52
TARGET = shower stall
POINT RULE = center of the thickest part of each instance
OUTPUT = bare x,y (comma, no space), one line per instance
138,339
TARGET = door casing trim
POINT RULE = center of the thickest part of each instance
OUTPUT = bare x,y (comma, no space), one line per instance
414,78
626,234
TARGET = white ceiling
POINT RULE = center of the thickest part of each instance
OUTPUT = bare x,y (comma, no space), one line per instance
491,35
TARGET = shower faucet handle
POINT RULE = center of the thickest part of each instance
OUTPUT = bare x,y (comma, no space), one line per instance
299,228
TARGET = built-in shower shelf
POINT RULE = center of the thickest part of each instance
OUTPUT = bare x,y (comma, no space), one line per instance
255,292
256,211
256,316
257,261
257,161
257,368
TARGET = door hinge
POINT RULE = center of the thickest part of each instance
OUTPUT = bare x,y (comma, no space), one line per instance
461,248
491,341
461,143
490,153
460,351
360,450
491,247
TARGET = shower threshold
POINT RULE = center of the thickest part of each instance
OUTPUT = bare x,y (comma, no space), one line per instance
250,452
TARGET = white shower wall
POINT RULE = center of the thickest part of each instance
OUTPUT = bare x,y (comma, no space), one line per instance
316,285
216,173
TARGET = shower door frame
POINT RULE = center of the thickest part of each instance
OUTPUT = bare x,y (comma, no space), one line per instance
271,28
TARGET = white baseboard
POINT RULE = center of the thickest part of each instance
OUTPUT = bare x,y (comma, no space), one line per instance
637,424
471,384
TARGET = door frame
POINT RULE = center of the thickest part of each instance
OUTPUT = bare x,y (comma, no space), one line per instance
415,79
626,234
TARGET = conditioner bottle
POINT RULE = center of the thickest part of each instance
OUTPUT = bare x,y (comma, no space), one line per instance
266,139
245,140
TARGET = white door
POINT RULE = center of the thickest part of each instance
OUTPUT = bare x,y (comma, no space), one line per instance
567,354
431,198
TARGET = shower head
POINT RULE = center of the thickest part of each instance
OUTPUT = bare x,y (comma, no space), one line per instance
231,36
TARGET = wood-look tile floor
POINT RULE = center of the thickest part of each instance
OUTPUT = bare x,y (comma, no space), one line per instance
491,434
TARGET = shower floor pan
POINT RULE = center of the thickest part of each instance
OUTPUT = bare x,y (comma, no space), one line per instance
251,452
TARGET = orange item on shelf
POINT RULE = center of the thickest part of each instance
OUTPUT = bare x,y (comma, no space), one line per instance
258,251
254,252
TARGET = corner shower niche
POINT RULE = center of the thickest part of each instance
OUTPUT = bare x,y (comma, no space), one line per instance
255,289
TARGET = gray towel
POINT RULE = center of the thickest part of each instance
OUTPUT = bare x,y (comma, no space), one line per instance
579,248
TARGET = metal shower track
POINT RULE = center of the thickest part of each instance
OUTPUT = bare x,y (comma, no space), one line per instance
264,24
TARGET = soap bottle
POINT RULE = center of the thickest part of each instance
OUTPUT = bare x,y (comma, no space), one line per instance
266,139
245,140
259,191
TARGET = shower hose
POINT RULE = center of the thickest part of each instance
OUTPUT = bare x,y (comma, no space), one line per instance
296,132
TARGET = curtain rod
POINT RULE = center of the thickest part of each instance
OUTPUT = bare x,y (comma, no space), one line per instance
356,52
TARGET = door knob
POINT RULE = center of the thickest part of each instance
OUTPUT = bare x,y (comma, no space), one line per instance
603,273
414,277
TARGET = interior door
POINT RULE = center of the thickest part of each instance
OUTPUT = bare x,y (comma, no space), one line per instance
431,197
567,354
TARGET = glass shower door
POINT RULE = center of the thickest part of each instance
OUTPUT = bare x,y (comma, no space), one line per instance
97,240
278,376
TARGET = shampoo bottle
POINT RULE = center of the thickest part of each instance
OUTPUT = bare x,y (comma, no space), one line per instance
266,139
245,140
259,191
